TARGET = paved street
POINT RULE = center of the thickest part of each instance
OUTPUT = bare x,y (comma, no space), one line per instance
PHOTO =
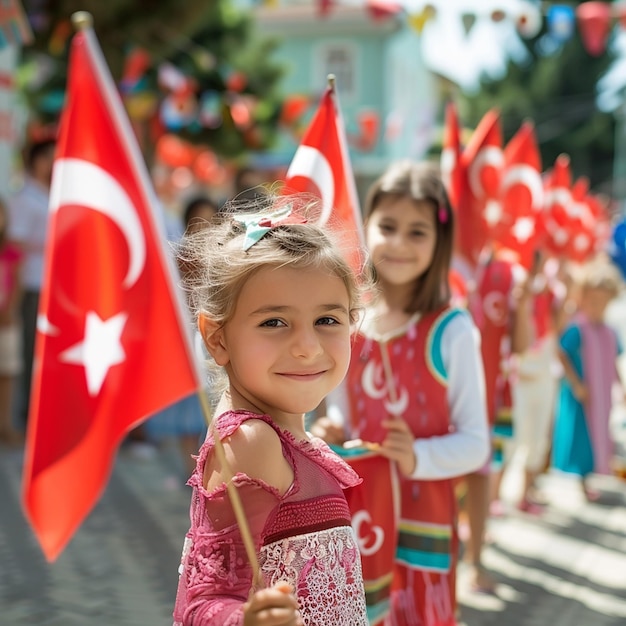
566,569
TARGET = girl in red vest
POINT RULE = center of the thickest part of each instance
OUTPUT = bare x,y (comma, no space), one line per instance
414,395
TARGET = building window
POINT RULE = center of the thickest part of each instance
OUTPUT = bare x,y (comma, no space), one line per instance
338,59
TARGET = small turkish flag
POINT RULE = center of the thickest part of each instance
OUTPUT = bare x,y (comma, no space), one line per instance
482,162
521,196
111,346
451,167
554,221
321,166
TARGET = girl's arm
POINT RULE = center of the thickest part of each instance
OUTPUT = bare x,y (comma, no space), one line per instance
522,319
569,343
466,448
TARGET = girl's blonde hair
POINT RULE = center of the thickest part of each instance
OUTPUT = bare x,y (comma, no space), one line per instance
600,274
215,265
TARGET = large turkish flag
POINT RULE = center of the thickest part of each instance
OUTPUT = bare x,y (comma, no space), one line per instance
111,346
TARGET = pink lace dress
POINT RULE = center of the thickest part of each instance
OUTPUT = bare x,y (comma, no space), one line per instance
303,537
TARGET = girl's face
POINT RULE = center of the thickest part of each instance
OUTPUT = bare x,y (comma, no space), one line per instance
287,344
593,302
401,236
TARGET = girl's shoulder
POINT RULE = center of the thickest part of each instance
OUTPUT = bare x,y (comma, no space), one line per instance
227,423
254,448
453,322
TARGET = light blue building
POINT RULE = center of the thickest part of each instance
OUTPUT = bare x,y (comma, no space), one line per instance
379,74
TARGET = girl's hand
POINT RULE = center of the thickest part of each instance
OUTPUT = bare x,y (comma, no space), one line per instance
398,445
329,432
276,606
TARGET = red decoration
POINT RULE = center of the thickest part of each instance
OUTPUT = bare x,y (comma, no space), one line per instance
240,113
174,152
206,166
383,9
369,128
324,7
112,347
236,82
294,107
135,66
594,20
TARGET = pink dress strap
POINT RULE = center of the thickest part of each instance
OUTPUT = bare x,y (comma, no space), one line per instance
315,448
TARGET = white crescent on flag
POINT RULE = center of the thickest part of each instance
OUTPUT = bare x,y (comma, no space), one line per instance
486,157
81,183
528,177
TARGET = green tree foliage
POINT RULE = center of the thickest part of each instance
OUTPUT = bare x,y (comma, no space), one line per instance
210,41
558,93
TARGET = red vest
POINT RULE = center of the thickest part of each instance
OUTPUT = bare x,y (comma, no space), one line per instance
422,537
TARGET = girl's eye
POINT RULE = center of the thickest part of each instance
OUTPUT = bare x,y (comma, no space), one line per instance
386,228
327,321
273,323
417,233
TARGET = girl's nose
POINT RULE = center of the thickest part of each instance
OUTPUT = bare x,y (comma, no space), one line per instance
306,343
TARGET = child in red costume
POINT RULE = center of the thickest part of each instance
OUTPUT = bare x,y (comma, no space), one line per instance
414,396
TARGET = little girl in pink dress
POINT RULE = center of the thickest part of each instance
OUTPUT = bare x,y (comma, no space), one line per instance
275,304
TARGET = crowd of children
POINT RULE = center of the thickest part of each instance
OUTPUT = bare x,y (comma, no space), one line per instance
432,396
415,406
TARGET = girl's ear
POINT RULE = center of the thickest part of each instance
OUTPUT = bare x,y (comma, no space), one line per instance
213,335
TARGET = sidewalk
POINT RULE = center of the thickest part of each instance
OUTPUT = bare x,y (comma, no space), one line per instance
567,568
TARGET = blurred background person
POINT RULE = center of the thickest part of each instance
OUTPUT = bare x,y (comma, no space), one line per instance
588,350
199,212
28,228
534,391
184,421
10,340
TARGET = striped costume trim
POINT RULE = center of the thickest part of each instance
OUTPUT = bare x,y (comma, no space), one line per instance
424,546
377,597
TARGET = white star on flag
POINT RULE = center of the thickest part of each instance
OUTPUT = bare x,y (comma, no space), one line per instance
100,349
493,212
523,229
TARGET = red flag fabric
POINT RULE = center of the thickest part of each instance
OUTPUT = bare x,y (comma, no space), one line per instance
554,222
451,168
374,506
482,161
321,166
491,310
521,195
586,221
111,346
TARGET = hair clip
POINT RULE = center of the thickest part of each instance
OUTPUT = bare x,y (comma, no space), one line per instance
258,225
442,214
